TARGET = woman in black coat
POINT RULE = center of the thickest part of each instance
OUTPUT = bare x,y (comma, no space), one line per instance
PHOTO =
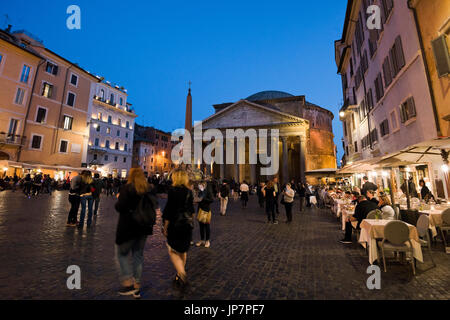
205,206
178,224
130,236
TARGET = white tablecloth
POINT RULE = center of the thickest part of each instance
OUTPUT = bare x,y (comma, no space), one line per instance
372,229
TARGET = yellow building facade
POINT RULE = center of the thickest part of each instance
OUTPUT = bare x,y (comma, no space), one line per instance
433,21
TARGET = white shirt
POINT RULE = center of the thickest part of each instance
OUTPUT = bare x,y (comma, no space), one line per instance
244,187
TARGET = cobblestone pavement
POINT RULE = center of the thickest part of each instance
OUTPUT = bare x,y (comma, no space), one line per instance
248,259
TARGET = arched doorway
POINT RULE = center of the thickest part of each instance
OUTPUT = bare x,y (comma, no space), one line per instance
4,156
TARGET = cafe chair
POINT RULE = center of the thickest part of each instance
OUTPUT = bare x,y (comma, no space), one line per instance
423,225
397,213
445,225
372,215
396,239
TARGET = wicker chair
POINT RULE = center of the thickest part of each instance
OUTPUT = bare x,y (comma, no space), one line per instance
396,239
445,225
422,228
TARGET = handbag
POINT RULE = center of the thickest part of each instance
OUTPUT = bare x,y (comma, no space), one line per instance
204,216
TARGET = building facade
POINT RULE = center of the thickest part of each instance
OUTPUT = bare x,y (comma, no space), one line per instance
18,65
152,150
111,131
305,129
388,116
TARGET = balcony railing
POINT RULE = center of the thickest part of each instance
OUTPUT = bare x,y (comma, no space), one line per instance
115,105
9,139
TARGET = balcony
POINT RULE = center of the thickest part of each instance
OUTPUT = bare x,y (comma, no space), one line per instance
350,100
110,104
11,140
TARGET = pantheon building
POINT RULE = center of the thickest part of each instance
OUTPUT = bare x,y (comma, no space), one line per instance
305,135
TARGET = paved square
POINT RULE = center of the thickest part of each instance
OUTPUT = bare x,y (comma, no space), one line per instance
248,259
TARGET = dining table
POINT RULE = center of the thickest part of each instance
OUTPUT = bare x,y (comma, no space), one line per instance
373,229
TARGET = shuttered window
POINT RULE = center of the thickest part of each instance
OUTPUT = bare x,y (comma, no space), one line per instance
387,72
407,110
384,128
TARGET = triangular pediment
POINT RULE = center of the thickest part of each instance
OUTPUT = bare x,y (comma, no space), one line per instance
248,114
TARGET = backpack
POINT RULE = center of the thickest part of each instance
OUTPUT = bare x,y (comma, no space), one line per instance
145,213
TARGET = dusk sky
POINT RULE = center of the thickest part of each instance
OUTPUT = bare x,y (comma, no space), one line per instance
228,49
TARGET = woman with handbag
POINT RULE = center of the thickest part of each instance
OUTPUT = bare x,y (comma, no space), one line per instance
204,215
178,224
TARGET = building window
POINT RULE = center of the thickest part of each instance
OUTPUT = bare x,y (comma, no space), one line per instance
25,74
397,57
124,160
120,122
19,96
1,58
107,144
95,156
13,125
126,134
102,94
51,68
374,135
109,119
407,110
121,101
47,90
68,121
117,146
379,90
36,142
98,128
118,133
97,141
100,116
387,6
63,146
74,80
71,99
106,157
41,115
108,130
384,128
128,124
356,146
125,147
394,122
112,99
115,159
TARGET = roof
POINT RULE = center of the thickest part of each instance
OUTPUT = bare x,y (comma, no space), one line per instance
269,95
8,37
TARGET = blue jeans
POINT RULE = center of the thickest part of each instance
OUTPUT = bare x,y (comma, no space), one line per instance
89,201
131,269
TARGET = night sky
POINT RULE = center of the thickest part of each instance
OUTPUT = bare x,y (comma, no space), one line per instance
228,49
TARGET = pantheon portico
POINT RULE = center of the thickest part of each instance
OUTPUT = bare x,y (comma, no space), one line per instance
305,136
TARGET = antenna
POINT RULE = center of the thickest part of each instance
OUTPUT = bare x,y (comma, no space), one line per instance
7,21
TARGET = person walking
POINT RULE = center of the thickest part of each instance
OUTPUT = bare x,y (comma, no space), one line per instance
302,195
224,193
130,235
288,201
178,225
276,187
98,188
74,199
260,194
270,196
204,215
244,194
86,189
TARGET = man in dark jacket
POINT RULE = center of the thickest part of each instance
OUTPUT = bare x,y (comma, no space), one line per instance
224,193
368,186
362,209
98,188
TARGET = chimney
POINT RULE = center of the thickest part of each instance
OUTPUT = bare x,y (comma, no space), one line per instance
9,28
